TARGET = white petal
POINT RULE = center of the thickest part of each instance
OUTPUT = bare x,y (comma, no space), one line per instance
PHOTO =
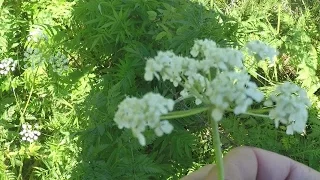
217,114
142,139
268,103
289,130
198,101
158,131
166,127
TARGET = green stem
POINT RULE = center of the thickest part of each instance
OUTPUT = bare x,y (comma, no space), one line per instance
30,93
257,115
16,98
279,12
14,93
20,171
186,113
271,83
259,111
275,71
25,108
217,147
182,98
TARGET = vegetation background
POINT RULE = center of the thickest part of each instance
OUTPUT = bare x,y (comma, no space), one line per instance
106,43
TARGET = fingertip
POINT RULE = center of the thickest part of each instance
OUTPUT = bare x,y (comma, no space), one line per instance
200,174
240,163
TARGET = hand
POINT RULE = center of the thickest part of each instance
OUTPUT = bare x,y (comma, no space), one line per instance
248,163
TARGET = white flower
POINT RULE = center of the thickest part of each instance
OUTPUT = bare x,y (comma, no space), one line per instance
33,58
28,133
169,66
262,50
289,105
225,59
202,47
221,58
36,35
232,89
164,128
59,63
194,74
138,114
196,82
7,65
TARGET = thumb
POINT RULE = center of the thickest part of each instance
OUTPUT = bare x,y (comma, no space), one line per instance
240,163
246,163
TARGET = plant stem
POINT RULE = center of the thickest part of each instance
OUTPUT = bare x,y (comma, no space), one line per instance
264,110
217,147
29,97
257,115
30,94
279,12
186,113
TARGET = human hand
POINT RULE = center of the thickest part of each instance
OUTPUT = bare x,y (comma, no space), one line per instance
248,163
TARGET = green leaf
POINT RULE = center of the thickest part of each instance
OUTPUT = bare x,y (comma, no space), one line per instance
161,35
152,15
99,7
101,129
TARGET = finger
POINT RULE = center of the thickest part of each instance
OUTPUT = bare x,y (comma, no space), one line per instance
200,174
253,163
240,163
274,166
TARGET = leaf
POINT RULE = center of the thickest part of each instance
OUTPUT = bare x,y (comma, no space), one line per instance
161,35
152,15
99,7
101,129
33,149
14,45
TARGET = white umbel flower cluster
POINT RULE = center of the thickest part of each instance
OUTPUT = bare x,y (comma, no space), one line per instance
59,63
289,105
228,87
261,50
33,58
37,35
138,114
220,58
30,133
169,66
7,65
232,89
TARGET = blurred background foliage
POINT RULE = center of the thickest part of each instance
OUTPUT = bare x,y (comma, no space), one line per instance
106,43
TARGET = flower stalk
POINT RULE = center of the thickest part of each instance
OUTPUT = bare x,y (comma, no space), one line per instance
186,113
217,147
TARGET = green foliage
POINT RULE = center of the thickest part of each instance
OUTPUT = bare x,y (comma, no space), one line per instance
106,43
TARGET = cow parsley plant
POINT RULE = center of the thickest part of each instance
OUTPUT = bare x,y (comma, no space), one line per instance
138,114
59,63
33,58
289,105
7,65
30,133
219,82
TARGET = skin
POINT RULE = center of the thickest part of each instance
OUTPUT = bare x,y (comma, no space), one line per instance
249,163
